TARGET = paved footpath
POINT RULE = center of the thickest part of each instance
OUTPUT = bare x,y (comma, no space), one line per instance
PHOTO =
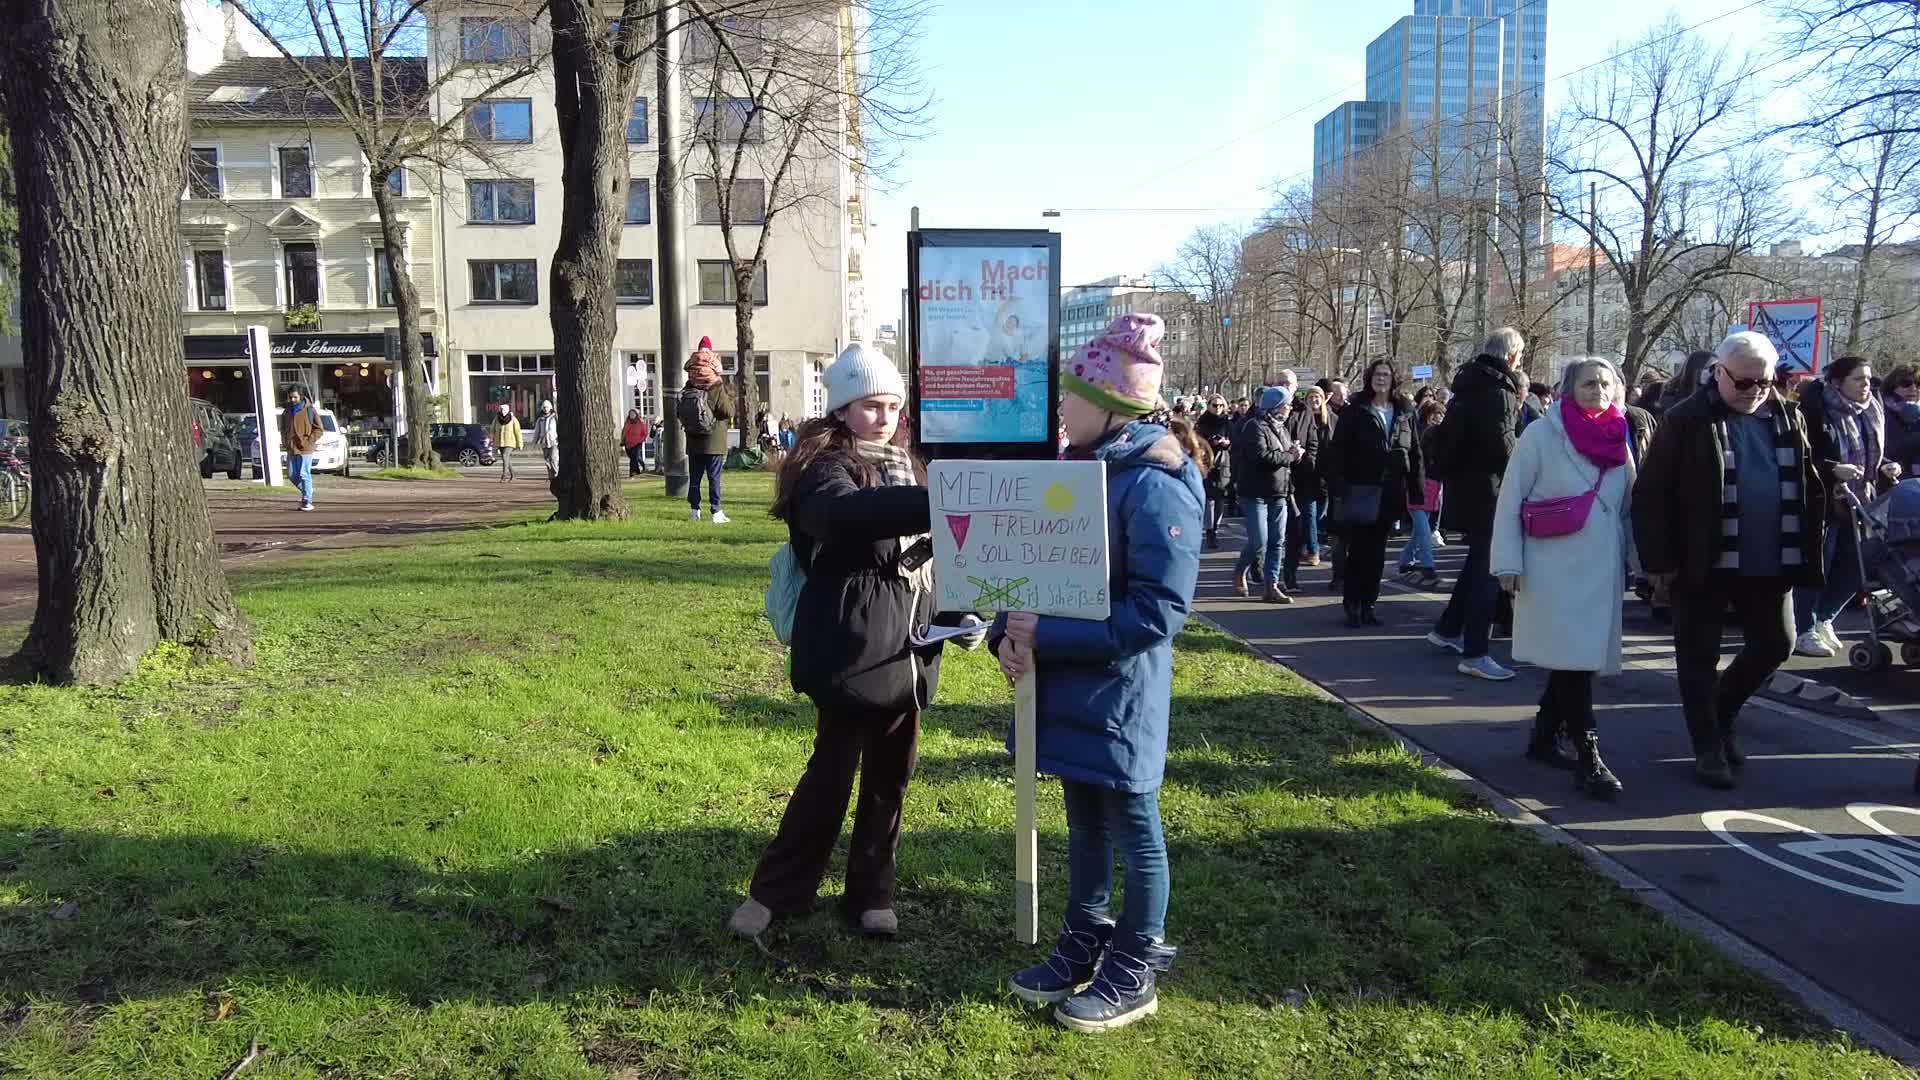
251,522
1815,859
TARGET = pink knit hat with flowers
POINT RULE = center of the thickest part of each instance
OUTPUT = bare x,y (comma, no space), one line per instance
1120,370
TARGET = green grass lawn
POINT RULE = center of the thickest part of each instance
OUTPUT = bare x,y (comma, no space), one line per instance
411,472
484,805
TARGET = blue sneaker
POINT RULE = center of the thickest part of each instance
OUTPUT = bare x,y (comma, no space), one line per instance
1121,992
1076,956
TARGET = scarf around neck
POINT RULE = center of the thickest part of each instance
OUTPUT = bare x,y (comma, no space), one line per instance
1861,428
1601,437
894,467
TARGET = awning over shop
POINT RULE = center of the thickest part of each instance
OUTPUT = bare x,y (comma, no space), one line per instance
201,347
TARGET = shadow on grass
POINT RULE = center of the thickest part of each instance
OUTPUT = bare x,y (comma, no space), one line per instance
1342,913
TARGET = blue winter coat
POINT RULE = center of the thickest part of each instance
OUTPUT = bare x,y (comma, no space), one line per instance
1105,687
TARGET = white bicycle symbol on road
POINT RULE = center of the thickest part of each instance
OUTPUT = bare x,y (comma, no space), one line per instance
1886,870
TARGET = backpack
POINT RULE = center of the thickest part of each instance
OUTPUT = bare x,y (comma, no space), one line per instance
785,578
695,411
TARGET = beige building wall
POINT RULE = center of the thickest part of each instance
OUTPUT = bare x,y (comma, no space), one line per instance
802,326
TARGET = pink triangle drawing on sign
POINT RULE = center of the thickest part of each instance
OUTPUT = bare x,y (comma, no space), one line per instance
959,523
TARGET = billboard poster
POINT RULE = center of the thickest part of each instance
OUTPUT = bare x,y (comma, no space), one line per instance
1794,328
984,315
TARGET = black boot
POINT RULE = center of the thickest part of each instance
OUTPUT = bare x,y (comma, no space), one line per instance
1736,757
1548,746
1592,774
1368,617
1710,768
1353,616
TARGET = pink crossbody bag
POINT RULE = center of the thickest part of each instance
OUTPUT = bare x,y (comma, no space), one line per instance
1546,518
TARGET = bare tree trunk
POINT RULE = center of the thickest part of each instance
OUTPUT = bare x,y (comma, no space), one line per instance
418,452
592,111
122,541
1869,243
747,380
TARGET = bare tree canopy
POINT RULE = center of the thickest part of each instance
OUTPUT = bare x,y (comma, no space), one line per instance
1866,63
1207,267
1685,186
797,104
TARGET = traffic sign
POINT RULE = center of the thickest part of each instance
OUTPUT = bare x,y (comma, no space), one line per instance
1424,371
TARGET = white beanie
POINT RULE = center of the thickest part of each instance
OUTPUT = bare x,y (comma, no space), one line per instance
860,371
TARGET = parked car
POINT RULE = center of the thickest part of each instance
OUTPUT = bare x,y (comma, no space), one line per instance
329,456
213,436
465,444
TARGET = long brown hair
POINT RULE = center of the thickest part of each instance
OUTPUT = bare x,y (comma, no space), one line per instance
1190,442
828,438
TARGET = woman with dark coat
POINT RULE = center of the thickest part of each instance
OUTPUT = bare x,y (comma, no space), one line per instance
856,508
1847,435
1373,448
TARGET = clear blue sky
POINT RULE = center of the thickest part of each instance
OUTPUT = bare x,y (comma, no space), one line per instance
1114,104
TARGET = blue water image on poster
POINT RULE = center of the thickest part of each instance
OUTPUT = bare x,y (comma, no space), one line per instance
983,372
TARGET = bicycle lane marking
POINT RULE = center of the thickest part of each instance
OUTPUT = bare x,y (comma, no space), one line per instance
1893,870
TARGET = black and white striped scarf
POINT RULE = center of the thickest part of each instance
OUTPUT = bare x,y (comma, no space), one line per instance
895,469
1786,453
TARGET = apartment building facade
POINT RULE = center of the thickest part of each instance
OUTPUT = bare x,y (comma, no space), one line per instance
500,223
278,227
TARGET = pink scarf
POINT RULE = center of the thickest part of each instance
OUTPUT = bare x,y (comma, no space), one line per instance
1601,436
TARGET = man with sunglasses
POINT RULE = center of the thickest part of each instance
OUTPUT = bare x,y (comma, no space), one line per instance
1728,511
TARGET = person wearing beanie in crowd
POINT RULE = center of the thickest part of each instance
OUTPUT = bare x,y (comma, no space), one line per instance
855,502
546,437
1104,689
1264,454
507,439
705,408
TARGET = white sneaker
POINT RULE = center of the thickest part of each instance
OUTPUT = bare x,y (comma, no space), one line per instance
1483,667
694,515
1809,644
1440,641
720,518
1824,631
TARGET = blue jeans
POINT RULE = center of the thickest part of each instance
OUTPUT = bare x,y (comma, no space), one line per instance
1266,529
1824,603
710,465
1099,820
1419,547
300,474
1310,525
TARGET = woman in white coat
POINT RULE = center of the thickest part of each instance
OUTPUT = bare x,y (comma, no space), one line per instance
1568,576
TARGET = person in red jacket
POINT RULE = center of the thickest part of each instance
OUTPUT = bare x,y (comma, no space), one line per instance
633,436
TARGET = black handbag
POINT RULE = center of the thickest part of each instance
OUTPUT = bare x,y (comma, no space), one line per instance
1360,505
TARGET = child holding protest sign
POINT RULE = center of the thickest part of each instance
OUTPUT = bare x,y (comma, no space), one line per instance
1104,688
855,503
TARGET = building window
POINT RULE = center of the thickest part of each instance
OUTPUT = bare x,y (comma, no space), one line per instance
762,373
501,120
639,202
633,281
746,37
296,172
382,279
303,274
739,121
637,121
495,39
203,172
503,281
397,183
746,206
210,279
500,202
716,283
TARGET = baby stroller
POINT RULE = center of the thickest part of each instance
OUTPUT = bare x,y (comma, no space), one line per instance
1888,531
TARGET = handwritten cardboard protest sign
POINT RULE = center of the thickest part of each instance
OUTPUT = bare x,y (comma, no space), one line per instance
1020,536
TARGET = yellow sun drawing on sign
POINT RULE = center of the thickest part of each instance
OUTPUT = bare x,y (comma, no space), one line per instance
1058,497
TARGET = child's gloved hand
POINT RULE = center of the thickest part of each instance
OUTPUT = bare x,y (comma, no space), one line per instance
973,640
1015,659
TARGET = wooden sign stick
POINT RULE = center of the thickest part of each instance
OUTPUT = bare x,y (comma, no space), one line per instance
1026,854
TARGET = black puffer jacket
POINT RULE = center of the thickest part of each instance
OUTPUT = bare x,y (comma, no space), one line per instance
1679,496
1362,452
1313,438
1475,441
856,611
1263,458
1214,429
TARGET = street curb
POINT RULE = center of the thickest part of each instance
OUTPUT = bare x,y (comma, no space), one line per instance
1790,689
1836,1010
